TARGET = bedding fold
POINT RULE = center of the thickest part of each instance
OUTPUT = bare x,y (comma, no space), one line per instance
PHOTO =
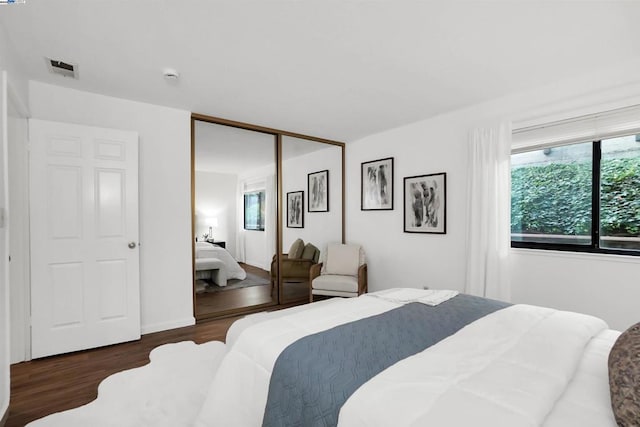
430,297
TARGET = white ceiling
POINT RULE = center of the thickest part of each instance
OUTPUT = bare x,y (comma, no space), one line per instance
224,149
339,69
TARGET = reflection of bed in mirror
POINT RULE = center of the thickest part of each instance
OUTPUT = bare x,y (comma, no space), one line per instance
216,263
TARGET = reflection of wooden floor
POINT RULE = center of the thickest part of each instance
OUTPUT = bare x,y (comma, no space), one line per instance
209,304
295,291
212,303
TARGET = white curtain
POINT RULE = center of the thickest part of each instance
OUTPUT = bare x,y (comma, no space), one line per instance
270,220
489,213
258,255
241,255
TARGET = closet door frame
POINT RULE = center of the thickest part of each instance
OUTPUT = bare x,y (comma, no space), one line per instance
278,134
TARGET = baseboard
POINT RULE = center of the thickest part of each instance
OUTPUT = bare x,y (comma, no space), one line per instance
258,265
4,418
157,327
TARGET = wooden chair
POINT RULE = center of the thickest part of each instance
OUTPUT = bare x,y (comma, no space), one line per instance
295,267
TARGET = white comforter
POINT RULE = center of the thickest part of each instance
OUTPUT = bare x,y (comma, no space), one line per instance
520,366
508,369
238,394
208,250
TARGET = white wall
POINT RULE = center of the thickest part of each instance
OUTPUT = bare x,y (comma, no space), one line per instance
165,213
17,84
255,249
258,247
217,197
19,237
601,285
13,95
395,258
320,228
593,284
5,380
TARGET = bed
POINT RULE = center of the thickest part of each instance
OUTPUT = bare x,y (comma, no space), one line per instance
518,366
211,259
514,365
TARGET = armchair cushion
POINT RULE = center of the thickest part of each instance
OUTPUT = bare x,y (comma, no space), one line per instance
310,252
342,259
338,283
295,252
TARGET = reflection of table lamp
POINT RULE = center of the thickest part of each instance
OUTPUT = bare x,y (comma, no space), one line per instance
212,222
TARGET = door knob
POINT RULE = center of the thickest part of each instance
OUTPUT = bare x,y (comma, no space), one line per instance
132,245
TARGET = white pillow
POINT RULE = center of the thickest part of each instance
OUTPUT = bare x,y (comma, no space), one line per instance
343,259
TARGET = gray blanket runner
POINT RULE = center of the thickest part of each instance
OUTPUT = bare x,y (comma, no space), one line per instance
314,376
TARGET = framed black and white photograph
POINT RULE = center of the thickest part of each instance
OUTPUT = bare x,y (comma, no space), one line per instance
318,190
425,203
376,188
295,209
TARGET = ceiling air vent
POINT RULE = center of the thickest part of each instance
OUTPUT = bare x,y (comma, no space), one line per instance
63,68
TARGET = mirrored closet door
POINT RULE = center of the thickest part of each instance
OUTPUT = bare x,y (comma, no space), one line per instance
312,186
257,193
234,219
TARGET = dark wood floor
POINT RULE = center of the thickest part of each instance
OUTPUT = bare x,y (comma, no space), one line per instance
44,386
219,302
216,303
53,384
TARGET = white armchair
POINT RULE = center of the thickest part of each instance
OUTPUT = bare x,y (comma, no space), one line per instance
342,272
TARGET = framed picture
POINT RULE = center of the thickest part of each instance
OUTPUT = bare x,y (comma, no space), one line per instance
376,178
295,209
425,203
318,189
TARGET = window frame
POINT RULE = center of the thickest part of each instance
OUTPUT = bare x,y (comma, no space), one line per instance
594,246
261,196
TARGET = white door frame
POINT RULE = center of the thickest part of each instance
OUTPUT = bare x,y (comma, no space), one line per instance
20,285
5,372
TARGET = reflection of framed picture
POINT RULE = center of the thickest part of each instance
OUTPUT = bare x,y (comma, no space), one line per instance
318,190
425,203
376,188
295,209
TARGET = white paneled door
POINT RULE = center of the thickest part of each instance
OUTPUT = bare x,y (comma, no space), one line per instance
85,289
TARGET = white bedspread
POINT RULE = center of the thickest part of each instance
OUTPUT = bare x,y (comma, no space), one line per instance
208,250
587,402
430,297
238,394
507,369
521,366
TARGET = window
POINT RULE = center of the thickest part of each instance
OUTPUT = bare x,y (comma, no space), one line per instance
582,197
254,210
